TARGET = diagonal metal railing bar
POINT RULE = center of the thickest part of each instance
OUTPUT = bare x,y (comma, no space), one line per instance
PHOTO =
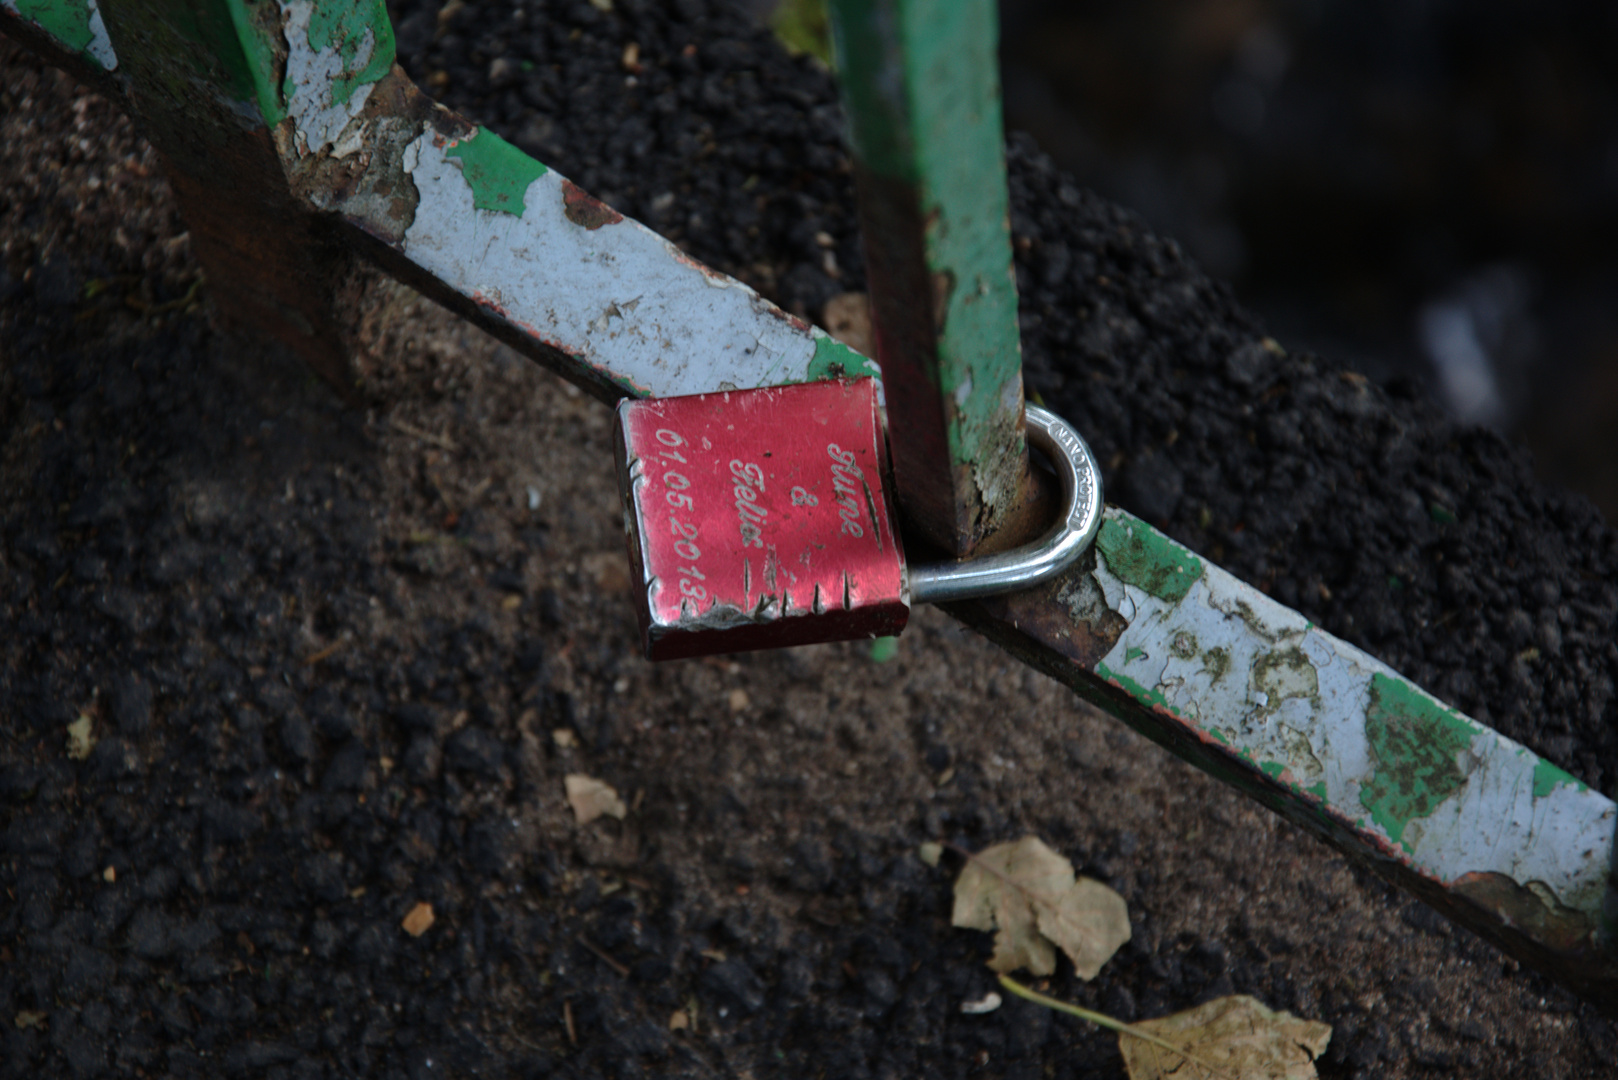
1210,668
1478,826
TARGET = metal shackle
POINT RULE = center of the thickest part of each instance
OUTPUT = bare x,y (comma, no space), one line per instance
1031,564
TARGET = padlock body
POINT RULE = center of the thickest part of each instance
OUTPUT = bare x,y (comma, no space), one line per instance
759,519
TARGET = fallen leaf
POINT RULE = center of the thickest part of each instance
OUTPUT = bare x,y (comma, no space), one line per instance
419,920
929,852
590,799
564,738
29,1019
80,738
739,700
1029,896
679,1020
1236,1035
110,874
847,317
1090,922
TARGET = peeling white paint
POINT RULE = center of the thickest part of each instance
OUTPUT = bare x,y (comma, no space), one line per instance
618,297
319,119
100,47
1492,823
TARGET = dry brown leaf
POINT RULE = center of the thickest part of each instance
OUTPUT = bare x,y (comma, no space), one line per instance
590,799
80,738
847,317
1029,896
1090,922
1238,1035
419,920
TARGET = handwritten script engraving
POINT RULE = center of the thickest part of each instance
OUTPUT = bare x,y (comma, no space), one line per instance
845,471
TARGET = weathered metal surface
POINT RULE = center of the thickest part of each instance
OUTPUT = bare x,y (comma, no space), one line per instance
759,519
72,26
921,90
1077,520
503,239
200,78
1223,676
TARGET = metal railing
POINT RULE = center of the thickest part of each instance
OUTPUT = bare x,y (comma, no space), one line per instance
295,146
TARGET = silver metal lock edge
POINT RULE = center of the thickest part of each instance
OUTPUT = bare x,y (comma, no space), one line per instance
1037,562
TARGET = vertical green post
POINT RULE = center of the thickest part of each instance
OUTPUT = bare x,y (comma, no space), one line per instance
207,82
921,89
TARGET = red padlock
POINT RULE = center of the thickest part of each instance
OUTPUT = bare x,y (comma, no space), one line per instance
759,519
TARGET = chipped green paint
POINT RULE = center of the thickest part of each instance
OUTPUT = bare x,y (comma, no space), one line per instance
1317,790
257,28
1143,557
1133,654
341,24
68,21
834,360
1151,697
1547,778
497,172
1418,743
1272,769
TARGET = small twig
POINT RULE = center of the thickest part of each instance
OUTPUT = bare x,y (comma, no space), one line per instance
324,654
1103,1020
182,302
567,1018
441,441
606,957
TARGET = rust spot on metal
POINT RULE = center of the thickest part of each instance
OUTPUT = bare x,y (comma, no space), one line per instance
697,264
943,287
1068,615
1534,910
585,210
800,325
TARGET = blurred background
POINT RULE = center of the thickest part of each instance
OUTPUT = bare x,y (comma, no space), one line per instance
1422,189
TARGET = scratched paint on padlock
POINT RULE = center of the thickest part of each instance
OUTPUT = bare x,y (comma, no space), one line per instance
759,519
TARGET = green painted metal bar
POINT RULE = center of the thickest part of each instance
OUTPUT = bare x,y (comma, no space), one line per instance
1474,824
202,78
68,34
921,89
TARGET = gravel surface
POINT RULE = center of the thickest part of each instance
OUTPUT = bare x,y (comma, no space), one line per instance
325,655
